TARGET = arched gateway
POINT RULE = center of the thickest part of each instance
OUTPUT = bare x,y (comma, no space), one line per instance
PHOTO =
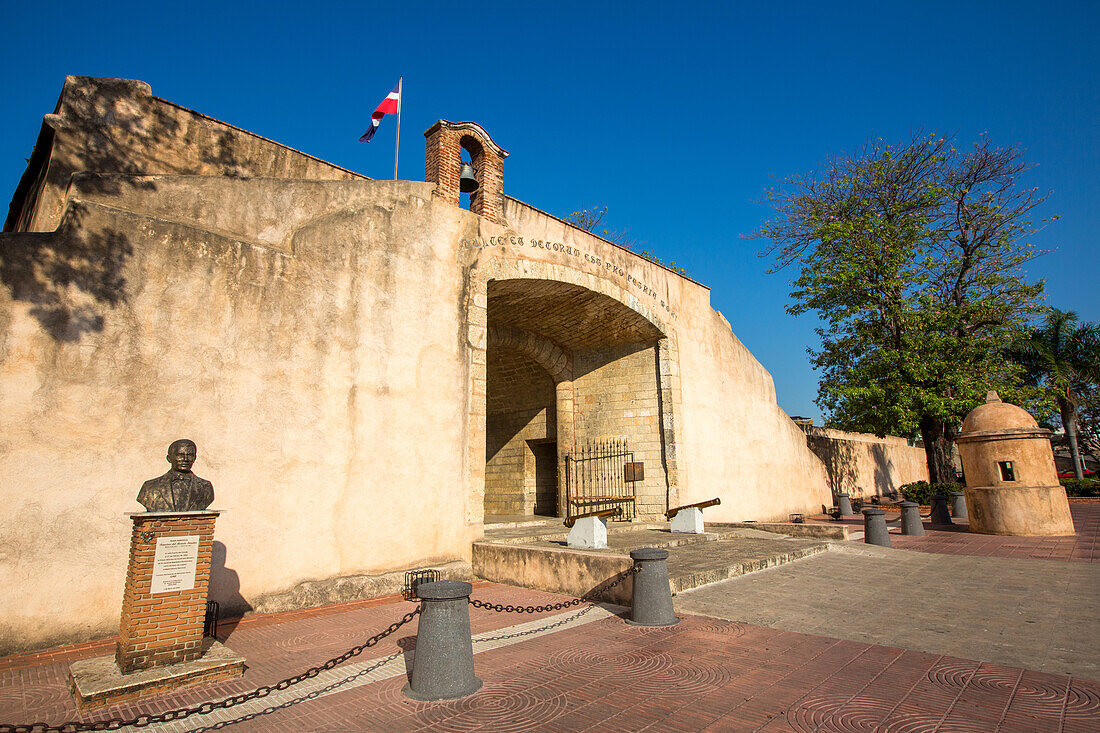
565,367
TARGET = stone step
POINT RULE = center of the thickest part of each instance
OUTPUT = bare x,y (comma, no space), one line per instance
542,561
694,566
625,535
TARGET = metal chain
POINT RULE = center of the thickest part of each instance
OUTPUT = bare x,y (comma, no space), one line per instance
262,691
588,597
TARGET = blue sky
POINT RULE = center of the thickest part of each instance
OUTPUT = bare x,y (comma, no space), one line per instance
674,116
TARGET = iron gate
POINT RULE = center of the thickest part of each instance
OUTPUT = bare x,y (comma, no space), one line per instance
596,478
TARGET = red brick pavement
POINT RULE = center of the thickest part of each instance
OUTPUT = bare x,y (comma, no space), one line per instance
703,674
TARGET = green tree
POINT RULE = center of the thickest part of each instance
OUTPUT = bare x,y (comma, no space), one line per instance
590,221
912,256
1063,356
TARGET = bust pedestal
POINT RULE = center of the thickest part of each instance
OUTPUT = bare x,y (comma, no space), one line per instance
164,603
160,646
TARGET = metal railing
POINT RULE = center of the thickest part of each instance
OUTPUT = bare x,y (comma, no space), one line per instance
595,478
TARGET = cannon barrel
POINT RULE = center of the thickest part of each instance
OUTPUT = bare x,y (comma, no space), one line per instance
614,512
697,505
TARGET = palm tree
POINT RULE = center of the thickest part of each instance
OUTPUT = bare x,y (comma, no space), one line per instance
1065,358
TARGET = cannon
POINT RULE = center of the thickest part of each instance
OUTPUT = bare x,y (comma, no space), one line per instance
601,514
589,530
689,518
698,505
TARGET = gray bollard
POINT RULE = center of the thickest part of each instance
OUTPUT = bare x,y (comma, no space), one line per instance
958,505
874,527
652,597
940,513
443,663
911,524
844,505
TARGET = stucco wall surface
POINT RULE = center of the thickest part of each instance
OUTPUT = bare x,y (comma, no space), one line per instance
863,464
738,444
324,382
118,126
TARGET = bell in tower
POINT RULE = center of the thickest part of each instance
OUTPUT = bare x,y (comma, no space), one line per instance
481,175
467,181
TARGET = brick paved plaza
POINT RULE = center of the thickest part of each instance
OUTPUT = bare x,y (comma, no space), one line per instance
585,669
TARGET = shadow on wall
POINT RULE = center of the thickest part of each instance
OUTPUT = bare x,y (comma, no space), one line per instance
884,468
855,467
840,462
502,427
112,131
225,585
70,278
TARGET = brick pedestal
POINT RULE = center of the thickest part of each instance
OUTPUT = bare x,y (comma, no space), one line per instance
160,647
161,626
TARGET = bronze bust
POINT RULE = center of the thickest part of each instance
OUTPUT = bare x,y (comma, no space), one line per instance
179,490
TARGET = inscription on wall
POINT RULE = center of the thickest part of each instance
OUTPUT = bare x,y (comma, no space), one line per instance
576,253
174,564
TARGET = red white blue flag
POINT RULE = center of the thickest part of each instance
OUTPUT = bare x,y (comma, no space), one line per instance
391,105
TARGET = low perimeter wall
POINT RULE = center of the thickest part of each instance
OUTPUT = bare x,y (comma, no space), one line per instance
863,464
558,571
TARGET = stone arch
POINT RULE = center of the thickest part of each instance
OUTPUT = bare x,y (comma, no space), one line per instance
551,349
557,362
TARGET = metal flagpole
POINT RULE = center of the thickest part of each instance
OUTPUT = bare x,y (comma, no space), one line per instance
397,144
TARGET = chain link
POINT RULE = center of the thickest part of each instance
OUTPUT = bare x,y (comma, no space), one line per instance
207,707
589,597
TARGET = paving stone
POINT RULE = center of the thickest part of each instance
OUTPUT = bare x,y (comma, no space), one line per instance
975,607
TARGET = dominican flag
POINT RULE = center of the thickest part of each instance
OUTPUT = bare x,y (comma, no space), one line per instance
391,105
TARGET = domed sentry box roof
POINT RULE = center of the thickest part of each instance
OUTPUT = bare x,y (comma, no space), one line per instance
1011,485
999,418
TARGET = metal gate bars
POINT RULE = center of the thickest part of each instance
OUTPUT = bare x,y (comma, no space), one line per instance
601,475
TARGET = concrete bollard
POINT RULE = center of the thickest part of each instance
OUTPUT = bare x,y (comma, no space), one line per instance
844,505
652,597
588,533
940,513
958,504
443,663
688,520
911,524
874,527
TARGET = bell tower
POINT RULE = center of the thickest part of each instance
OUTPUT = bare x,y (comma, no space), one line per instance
443,166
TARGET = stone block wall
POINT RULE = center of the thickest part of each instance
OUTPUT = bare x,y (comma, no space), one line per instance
510,477
520,407
616,398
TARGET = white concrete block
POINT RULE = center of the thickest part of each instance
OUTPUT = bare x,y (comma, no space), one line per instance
688,520
588,533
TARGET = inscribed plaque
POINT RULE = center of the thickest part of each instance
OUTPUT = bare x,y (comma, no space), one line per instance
174,564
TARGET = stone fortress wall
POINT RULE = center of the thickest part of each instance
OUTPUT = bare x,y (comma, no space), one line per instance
343,351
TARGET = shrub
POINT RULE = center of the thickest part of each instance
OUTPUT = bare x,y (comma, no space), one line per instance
922,491
1081,487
